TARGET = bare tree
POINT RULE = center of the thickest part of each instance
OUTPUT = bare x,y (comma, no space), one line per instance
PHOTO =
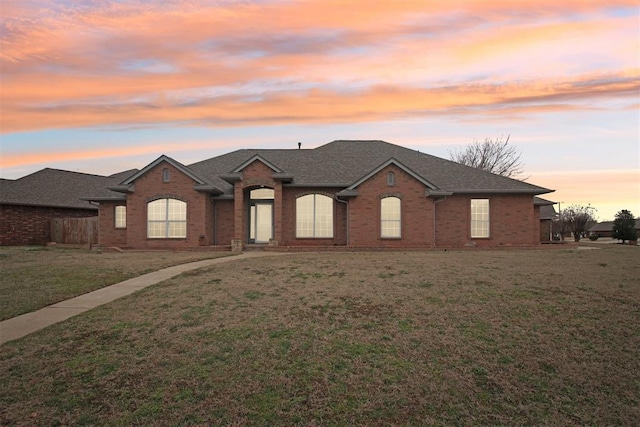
559,226
495,156
579,219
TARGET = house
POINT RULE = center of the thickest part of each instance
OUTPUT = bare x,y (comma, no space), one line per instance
28,204
547,215
355,194
605,228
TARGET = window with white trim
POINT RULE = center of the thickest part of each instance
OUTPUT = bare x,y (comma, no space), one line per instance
479,218
120,215
314,216
166,175
390,218
167,219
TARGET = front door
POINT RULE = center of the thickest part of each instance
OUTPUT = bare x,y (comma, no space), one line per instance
260,222
261,215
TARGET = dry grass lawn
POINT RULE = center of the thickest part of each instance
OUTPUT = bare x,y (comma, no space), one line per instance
521,337
36,276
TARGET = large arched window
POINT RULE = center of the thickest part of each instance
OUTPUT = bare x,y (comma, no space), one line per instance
314,216
390,218
167,219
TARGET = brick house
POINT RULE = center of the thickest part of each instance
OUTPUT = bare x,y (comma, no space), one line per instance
359,194
28,204
547,215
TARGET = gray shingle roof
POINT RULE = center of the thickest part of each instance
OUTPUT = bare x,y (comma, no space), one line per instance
608,226
58,188
342,163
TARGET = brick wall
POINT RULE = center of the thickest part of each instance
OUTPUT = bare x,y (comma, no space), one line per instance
416,211
108,234
224,222
512,221
31,225
151,186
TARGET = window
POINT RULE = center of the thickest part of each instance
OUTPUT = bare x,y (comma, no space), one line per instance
166,175
390,218
121,216
479,218
391,179
314,216
262,194
167,219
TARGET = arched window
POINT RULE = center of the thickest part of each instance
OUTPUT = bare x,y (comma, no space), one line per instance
167,219
390,218
314,216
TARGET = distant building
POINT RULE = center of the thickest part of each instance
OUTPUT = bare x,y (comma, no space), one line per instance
605,228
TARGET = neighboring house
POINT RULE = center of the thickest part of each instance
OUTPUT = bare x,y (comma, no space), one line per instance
547,215
28,204
360,194
605,228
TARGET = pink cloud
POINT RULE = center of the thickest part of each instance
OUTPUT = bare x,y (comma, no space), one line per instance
313,61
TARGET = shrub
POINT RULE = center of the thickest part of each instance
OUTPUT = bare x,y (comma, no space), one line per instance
593,237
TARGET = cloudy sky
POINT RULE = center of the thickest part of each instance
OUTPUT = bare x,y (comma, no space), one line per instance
101,86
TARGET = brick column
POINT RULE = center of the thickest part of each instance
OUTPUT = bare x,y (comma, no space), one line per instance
277,213
238,214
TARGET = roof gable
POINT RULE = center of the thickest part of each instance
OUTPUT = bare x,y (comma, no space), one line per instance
182,168
259,158
394,162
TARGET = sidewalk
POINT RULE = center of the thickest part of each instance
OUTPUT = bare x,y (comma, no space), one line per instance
19,326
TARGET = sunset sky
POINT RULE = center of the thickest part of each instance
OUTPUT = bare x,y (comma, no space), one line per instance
101,86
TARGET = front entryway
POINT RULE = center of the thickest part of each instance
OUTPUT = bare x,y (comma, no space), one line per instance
261,215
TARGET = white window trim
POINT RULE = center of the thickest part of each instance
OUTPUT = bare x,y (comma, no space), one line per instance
166,220
398,221
314,220
123,223
477,226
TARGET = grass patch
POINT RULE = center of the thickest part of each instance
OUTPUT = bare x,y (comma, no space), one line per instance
363,348
36,276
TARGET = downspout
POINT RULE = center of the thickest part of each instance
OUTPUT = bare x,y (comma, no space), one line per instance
434,217
346,203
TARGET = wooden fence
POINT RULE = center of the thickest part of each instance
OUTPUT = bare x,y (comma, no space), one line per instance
75,231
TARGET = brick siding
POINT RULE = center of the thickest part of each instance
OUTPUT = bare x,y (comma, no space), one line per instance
149,187
31,225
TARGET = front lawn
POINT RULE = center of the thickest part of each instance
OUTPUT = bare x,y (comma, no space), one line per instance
521,337
36,276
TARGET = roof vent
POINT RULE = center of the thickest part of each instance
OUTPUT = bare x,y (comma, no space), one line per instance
299,145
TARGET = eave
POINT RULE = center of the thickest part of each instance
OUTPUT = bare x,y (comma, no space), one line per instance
207,188
126,189
104,199
532,191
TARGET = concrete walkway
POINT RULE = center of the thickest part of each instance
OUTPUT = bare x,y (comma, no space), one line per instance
19,326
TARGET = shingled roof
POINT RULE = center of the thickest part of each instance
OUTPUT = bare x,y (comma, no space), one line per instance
343,163
59,188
